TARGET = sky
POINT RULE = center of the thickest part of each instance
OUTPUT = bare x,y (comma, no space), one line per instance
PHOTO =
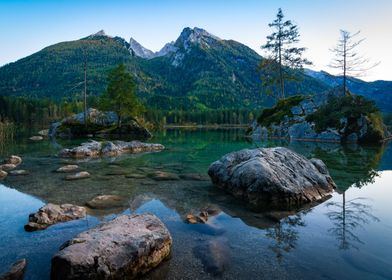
30,25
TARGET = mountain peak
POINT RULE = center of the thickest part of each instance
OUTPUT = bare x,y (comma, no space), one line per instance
139,50
195,35
100,33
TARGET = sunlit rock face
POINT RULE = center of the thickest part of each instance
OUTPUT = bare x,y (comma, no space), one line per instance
123,248
275,178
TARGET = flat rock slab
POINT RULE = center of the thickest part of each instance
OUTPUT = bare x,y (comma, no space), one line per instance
272,177
78,176
67,168
135,176
94,149
16,271
106,202
51,214
123,248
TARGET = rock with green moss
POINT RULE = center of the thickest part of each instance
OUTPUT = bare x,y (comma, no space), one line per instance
327,117
99,123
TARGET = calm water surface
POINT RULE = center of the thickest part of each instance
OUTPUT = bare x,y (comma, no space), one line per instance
347,237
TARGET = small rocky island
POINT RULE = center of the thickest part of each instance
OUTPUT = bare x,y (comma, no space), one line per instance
272,178
326,117
99,123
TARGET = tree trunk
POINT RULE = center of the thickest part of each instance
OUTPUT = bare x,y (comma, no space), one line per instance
344,68
119,121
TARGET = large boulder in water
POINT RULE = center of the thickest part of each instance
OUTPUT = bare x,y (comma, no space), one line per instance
99,123
272,177
123,248
94,149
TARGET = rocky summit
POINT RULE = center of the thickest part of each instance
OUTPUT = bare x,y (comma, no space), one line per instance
94,149
272,178
123,248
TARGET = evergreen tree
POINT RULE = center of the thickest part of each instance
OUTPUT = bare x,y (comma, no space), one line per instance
283,55
120,95
347,60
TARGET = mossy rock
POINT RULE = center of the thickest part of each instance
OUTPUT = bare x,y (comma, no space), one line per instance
282,108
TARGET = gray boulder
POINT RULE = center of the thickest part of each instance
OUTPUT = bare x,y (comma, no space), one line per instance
16,271
51,214
78,176
301,131
94,149
272,177
123,248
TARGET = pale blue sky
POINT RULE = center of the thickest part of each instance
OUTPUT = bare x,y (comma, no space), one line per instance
28,26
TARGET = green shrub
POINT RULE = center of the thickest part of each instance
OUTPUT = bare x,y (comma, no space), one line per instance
282,108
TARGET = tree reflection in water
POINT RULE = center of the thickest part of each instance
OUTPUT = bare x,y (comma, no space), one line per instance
285,234
347,216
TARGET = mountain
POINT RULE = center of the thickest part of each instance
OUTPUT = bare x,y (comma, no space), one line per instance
139,50
197,71
378,91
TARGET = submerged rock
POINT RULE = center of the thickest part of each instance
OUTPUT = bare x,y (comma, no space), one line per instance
67,168
19,172
164,176
123,248
16,160
201,218
94,149
16,271
78,176
51,214
272,177
105,202
36,138
215,255
135,176
193,177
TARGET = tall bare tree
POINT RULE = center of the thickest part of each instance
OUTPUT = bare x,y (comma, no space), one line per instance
348,60
282,53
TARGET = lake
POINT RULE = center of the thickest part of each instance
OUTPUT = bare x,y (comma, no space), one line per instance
348,236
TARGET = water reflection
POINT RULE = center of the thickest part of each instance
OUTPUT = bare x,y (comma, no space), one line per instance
285,234
347,216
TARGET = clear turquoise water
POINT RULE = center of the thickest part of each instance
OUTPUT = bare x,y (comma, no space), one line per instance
347,237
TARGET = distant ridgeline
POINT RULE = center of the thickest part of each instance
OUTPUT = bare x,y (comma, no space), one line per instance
198,72
326,117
